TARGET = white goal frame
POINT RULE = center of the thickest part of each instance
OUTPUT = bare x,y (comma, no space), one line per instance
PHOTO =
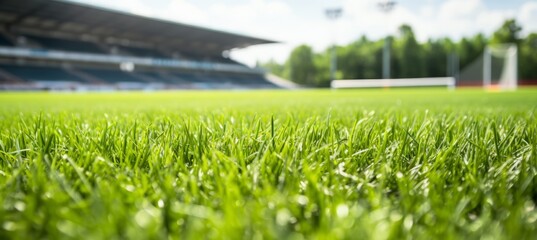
509,76
399,82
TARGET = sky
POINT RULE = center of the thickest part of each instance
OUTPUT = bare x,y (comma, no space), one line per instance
295,22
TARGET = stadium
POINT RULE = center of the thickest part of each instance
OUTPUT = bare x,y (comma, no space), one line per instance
60,45
119,126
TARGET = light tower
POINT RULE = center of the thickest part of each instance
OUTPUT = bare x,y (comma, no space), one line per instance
333,14
386,7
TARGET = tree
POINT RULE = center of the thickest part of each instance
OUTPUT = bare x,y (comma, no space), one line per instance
470,49
301,66
508,33
409,54
363,57
274,67
358,59
528,57
435,53
322,67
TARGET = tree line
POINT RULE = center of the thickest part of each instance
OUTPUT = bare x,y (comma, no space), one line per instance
362,59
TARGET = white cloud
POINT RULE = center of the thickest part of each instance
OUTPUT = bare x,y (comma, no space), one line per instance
251,10
528,17
255,17
460,8
452,18
432,19
184,11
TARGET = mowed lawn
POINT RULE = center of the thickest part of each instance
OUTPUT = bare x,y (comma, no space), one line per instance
346,164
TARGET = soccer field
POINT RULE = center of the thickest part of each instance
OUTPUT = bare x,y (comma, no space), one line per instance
348,164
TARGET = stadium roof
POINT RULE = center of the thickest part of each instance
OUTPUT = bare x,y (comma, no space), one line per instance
79,19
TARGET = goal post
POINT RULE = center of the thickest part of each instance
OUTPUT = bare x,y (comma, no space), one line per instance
500,67
399,82
495,69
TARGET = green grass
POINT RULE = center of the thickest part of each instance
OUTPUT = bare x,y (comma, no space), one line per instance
379,164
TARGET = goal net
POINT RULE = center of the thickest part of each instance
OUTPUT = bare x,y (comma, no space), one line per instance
500,66
496,68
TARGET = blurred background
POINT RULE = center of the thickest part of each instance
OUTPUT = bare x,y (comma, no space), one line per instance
304,22
312,42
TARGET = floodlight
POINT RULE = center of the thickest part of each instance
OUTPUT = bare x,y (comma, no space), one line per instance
333,14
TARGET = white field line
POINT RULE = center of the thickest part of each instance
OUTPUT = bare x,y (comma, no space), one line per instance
399,82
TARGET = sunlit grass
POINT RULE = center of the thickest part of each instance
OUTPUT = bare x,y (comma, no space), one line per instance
379,164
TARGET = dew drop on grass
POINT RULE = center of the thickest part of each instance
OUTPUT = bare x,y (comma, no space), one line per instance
303,185
9,226
20,206
529,206
130,188
342,210
239,203
283,217
472,216
532,218
302,200
395,216
142,218
47,195
67,227
408,222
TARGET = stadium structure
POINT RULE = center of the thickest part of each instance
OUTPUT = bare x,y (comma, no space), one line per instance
58,45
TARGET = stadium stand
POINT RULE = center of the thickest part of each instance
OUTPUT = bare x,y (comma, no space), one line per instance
111,75
141,52
58,45
4,41
65,44
40,73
